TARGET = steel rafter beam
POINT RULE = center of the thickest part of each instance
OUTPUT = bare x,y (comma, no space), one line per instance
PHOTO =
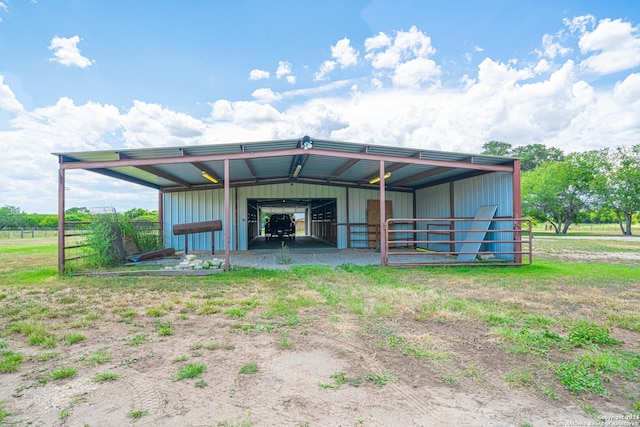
390,169
343,169
204,168
158,172
124,177
423,175
280,153
248,163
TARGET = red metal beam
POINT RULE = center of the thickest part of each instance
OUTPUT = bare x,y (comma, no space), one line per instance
281,153
384,250
61,222
227,218
517,210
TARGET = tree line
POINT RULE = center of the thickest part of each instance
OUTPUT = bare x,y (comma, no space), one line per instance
592,186
14,217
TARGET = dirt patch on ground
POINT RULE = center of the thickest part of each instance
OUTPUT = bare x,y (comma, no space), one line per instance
325,367
324,371
321,372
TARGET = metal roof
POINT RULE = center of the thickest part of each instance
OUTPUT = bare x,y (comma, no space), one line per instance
303,160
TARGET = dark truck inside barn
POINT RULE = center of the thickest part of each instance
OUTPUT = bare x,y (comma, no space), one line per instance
280,226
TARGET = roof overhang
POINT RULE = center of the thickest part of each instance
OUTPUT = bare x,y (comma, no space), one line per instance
304,160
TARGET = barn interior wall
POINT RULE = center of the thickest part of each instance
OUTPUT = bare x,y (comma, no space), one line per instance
401,203
204,205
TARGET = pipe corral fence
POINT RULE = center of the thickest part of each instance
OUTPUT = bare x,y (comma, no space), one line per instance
408,241
457,241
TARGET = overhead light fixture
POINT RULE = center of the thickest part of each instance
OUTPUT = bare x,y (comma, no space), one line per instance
297,171
377,178
209,177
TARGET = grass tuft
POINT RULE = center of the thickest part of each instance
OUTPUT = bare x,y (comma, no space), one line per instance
192,370
105,376
137,414
382,380
10,361
249,368
72,338
64,372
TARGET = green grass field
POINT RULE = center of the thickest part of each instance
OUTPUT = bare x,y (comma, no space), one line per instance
565,329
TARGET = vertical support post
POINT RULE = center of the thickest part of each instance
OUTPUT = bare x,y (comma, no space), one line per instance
237,216
517,213
346,200
414,224
384,250
452,215
227,218
61,222
161,217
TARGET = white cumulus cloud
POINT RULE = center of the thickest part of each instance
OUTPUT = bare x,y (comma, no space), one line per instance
8,100
627,92
552,46
325,68
616,44
415,72
151,125
258,74
344,54
407,56
66,52
284,69
580,24
265,95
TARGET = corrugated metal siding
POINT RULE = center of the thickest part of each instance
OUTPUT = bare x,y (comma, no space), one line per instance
203,205
433,202
195,206
490,189
469,194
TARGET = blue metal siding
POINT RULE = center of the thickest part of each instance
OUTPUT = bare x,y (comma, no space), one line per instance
203,205
433,202
195,206
490,189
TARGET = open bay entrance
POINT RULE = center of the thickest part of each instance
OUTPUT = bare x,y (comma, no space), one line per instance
315,222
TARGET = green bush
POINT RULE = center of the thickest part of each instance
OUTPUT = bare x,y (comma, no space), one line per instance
105,247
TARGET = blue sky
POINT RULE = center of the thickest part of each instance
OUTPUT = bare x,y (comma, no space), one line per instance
87,75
